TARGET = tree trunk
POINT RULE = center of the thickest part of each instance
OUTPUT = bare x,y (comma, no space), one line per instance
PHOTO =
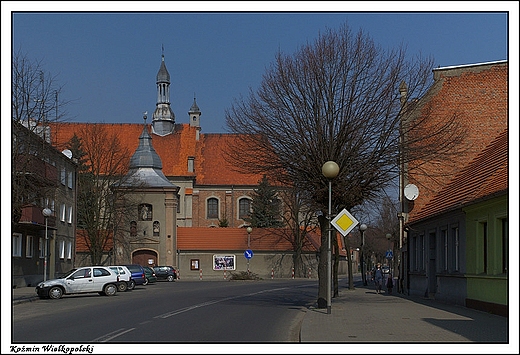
349,266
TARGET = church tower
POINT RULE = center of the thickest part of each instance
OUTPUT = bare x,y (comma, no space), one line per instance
163,119
194,114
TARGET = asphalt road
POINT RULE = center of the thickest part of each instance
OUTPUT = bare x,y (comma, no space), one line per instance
178,312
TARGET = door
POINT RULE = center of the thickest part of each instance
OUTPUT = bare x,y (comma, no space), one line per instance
145,257
80,281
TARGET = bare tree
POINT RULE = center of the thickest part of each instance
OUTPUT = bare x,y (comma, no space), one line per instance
335,99
34,102
103,162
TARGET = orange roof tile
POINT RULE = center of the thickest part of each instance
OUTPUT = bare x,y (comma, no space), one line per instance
211,165
234,239
486,175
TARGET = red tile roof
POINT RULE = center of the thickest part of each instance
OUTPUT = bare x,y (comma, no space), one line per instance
211,165
235,239
486,175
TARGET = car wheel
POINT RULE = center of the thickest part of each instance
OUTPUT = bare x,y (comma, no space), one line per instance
145,282
121,287
170,278
110,290
55,293
131,285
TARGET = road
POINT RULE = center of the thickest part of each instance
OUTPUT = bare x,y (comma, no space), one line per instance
182,311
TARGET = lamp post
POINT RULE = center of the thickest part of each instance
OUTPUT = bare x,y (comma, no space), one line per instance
362,229
46,213
249,230
330,170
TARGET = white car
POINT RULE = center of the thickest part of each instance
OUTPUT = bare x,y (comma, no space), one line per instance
86,279
125,277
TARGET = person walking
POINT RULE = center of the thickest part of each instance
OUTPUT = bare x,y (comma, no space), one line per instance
389,283
378,278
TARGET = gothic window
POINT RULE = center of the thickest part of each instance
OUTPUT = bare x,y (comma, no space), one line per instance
145,212
244,208
133,228
156,228
212,207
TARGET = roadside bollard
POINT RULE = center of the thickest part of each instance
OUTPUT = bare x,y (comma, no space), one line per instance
272,274
225,276
292,273
200,275
309,273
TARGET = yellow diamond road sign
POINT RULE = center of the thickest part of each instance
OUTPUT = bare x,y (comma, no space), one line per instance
344,222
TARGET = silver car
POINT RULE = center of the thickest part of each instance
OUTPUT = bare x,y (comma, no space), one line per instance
86,279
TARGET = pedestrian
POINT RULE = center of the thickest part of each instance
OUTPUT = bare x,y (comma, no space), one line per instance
378,278
389,283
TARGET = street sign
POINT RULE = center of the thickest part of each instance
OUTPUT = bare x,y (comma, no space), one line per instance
248,254
344,222
389,254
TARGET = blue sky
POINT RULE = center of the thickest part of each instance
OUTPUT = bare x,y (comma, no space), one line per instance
107,62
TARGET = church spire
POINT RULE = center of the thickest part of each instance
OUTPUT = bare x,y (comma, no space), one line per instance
163,121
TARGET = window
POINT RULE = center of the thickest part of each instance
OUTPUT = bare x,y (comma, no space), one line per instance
191,164
69,215
484,245
70,180
244,208
156,228
69,250
145,212
62,212
212,208
29,246
178,203
420,250
505,245
101,272
17,244
41,248
133,228
62,249
445,254
63,175
455,248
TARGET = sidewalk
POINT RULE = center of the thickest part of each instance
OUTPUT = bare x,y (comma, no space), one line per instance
24,294
363,316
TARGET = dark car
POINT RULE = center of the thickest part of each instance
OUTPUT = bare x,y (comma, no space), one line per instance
138,274
150,275
165,273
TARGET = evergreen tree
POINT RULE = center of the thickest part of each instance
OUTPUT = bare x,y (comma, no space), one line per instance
265,206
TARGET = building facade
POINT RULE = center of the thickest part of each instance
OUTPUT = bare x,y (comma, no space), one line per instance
43,246
456,230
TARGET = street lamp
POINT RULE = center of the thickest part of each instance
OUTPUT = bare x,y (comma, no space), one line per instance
46,213
330,170
362,229
249,230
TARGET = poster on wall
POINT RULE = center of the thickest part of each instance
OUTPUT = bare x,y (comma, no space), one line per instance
223,262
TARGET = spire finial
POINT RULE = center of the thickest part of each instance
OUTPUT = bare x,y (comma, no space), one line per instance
145,113
162,53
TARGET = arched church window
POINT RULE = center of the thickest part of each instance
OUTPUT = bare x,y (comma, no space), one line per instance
145,212
156,228
244,208
212,207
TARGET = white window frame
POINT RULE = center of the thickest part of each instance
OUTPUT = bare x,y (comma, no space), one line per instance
17,244
69,215
69,250
62,249
62,212
29,246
